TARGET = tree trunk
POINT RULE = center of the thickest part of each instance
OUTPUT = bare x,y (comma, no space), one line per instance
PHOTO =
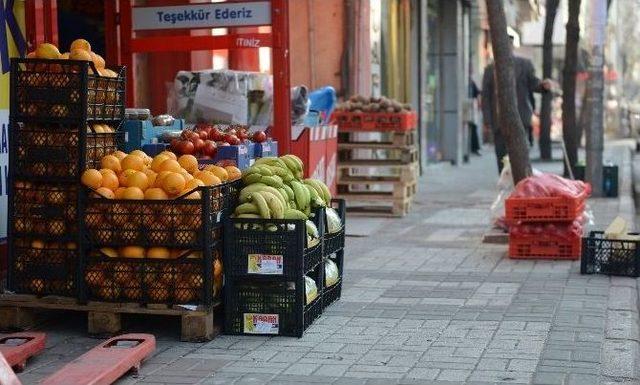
511,126
570,130
547,72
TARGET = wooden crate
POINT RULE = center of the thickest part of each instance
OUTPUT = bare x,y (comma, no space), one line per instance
20,311
367,207
408,138
403,154
376,190
379,171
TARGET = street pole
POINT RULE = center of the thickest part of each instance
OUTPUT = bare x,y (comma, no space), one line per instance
597,23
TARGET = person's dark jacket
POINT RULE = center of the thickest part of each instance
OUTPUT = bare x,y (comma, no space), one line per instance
526,83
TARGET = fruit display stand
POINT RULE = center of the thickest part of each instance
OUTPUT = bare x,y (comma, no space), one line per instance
377,177
334,243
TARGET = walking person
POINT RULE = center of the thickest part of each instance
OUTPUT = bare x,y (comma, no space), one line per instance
526,84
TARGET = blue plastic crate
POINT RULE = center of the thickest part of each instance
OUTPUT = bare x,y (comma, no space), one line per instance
265,149
141,132
154,149
241,155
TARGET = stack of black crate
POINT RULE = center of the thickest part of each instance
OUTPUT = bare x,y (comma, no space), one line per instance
63,119
265,264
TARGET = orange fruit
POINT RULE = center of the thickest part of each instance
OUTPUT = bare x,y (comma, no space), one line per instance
218,171
97,60
133,162
151,175
132,252
193,184
185,174
110,181
47,51
65,56
189,163
193,195
31,55
133,193
123,176
233,172
208,178
104,171
138,179
160,177
158,252
170,165
169,154
111,162
157,161
145,158
80,54
119,193
109,252
80,44
173,183
91,178
105,192
155,194
37,244
119,154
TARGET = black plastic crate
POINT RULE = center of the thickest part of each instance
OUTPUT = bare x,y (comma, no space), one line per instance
65,91
332,293
610,256
609,178
43,267
46,211
271,248
185,279
231,196
335,241
58,152
259,307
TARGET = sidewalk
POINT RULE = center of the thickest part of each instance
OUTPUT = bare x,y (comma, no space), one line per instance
425,302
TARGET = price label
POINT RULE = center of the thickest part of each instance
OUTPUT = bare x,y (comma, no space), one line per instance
265,264
255,323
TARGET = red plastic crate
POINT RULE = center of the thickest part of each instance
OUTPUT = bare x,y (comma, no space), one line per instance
544,246
375,121
547,209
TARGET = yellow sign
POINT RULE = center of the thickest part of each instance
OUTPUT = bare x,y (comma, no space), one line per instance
12,44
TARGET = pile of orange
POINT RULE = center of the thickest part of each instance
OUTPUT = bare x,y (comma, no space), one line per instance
80,49
136,176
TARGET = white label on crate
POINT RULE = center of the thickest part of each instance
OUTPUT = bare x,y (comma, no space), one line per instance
243,150
202,16
265,264
261,323
266,148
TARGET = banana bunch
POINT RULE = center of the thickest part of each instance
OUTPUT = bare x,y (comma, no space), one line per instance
274,189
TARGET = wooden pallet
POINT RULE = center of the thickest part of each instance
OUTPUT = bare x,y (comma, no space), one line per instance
378,207
409,138
401,154
20,311
380,171
376,190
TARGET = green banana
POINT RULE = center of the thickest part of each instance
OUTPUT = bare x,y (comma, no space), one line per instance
263,170
316,199
277,210
307,211
292,205
301,194
292,165
251,178
247,208
289,192
294,214
247,190
284,173
271,161
273,181
261,203
321,189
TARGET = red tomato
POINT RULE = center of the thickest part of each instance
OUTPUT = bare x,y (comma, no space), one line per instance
198,144
185,147
259,136
209,148
231,139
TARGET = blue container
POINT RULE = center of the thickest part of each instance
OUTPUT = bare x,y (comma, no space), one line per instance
141,132
154,149
265,149
241,155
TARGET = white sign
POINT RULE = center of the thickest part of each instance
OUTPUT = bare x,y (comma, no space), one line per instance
4,171
217,15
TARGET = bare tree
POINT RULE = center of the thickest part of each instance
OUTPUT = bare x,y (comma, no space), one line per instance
508,116
547,72
570,129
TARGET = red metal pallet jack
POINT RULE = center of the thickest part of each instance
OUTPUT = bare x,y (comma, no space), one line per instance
17,348
7,376
106,363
